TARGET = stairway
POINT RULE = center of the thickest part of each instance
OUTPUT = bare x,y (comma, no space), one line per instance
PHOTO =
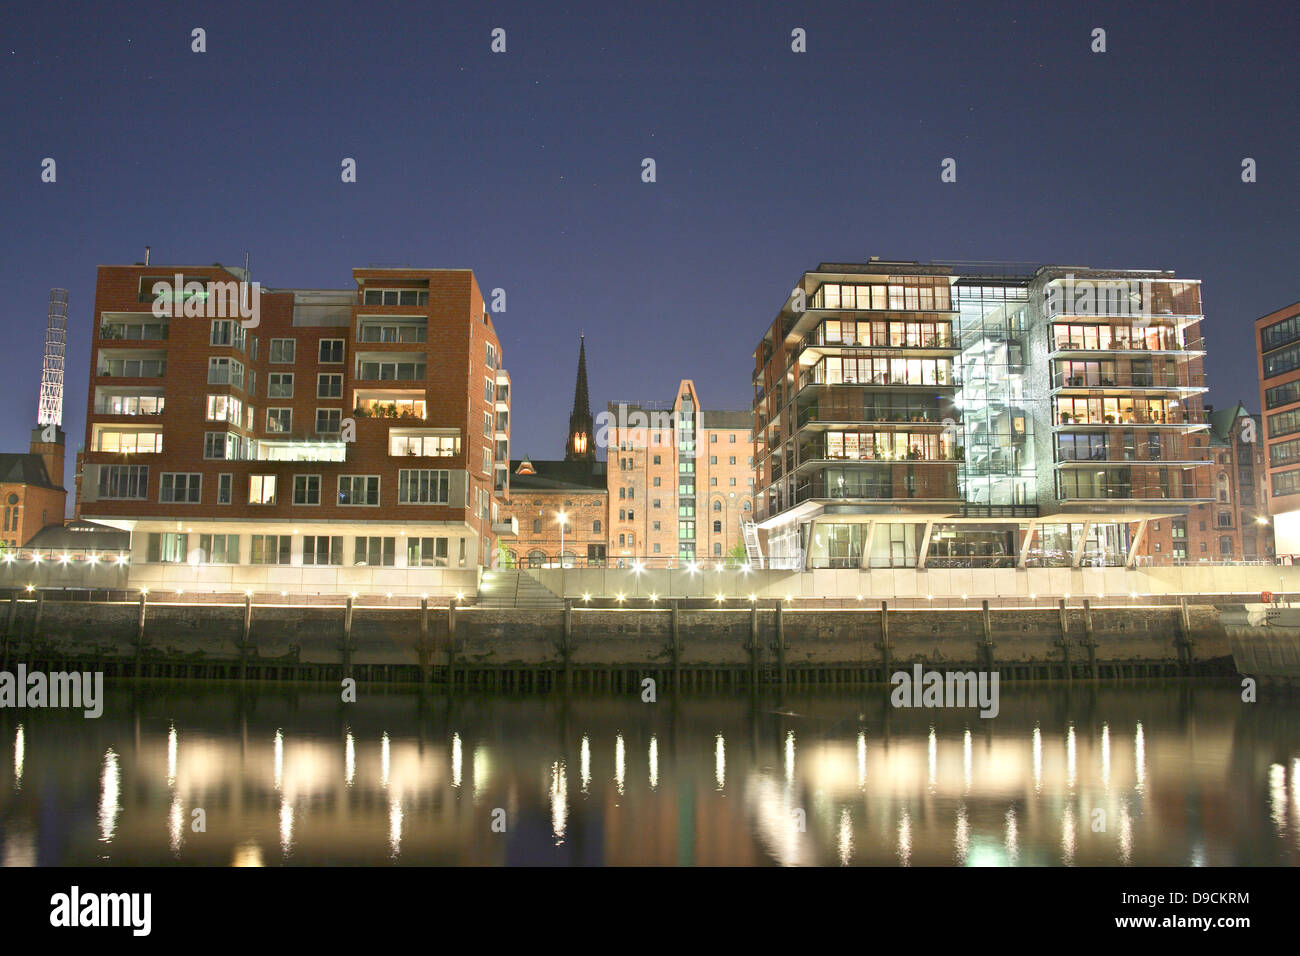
753,553
515,589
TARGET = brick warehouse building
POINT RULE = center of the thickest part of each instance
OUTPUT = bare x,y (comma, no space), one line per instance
542,492
350,440
681,480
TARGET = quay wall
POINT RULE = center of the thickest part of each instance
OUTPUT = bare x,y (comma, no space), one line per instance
758,643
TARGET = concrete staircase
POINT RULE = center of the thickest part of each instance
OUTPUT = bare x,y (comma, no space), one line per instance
515,589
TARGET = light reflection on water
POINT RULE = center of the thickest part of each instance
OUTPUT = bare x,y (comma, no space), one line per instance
1136,775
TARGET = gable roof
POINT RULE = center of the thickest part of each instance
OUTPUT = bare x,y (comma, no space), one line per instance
24,468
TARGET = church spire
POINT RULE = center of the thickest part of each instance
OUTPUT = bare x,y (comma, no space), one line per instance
580,445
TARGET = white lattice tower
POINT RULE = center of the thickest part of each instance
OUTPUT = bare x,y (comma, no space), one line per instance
50,411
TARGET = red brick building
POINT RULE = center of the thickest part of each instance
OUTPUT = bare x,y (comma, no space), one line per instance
303,440
560,507
1277,338
31,489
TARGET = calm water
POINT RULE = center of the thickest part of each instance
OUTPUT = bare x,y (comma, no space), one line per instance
1184,775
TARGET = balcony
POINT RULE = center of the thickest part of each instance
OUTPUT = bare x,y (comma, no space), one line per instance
851,406
934,481
392,329
1148,340
390,367
399,404
1179,379
883,336
131,363
1168,448
1091,412
132,327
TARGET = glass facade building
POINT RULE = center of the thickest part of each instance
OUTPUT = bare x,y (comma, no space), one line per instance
913,415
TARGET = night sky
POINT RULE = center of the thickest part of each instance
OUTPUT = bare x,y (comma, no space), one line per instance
526,166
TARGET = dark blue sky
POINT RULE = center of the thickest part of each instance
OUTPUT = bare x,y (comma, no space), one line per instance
525,166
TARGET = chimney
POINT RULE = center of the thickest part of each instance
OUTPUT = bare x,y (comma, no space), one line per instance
48,441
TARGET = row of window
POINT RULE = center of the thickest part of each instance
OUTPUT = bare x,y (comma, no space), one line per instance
636,445
907,293
1279,333
629,464
313,551
228,332
423,486
228,371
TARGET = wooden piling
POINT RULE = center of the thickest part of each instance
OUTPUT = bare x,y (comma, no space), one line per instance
451,644
886,649
244,641
345,657
424,641
139,626
780,645
567,647
677,650
985,649
1064,642
1088,640
1184,636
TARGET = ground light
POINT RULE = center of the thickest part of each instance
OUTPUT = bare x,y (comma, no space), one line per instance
586,597
720,597
620,597
654,598
753,598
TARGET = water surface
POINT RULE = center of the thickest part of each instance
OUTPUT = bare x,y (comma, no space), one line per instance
1182,774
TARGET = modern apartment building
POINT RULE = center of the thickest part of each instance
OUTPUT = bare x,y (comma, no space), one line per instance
1277,340
681,480
930,415
296,439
